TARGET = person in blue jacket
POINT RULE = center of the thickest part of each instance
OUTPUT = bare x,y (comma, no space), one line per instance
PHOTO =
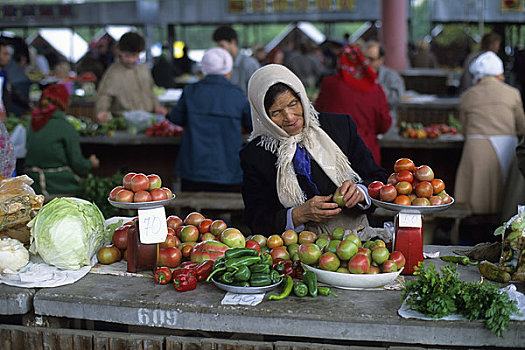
214,112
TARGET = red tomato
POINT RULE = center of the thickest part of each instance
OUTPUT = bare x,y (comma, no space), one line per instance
114,191
174,221
402,200
403,164
387,193
126,180
424,189
424,173
124,196
108,254
204,226
404,175
169,257
392,179
120,237
438,185
142,196
374,188
139,182
403,187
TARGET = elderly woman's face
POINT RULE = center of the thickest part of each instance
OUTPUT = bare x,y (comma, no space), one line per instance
287,113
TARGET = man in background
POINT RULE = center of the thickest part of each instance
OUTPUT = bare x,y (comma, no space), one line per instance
127,85
390,80
243,65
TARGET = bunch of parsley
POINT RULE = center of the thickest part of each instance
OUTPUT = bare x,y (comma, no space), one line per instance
437,296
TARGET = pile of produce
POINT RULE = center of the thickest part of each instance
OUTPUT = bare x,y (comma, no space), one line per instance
87,127
410,185
139,188
437,295
432,131
164,129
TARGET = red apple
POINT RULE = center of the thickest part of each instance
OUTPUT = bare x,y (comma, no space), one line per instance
139,182
126,180
359,263
438,185
403,164
204,226
189,233
114,191
158,195
142,196
120,237
124,196
329,261
168,192
289,237
217,226
403,187
280,252
421,202
398,258
424,173
405,175
436,200
374,188
253,244
424,189
392,179
194,218
154,181
174,221
233,238
389,266
388,193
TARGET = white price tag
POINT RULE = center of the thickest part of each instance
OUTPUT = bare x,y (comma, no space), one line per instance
242,299
409,220
152,225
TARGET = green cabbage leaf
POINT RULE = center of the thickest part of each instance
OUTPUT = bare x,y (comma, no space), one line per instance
67,232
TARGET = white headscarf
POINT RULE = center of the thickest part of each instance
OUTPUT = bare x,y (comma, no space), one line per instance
217,61
318,144
487,64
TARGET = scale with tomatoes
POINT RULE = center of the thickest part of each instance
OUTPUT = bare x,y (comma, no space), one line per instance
411,191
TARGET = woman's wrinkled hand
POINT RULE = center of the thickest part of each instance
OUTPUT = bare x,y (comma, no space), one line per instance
351,194
316,209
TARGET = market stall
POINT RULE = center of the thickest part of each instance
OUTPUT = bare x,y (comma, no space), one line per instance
157,314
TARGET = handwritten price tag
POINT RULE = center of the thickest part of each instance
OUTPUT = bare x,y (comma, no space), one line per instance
152,225
409,220
242,299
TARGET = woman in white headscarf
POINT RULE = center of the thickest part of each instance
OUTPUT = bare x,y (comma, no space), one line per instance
492,119
296,159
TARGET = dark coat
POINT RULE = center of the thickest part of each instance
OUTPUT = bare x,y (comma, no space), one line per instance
263,212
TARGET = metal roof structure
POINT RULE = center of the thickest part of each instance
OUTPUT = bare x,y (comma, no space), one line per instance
68,43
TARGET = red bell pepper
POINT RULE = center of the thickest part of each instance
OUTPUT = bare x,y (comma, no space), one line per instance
284,266
203,270
182,271
163,275
189,264
185,281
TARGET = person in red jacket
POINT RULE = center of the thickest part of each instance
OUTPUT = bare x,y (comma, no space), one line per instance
354,91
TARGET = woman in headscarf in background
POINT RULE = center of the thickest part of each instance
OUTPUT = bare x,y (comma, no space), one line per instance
296,159
492,118
354,91
54,159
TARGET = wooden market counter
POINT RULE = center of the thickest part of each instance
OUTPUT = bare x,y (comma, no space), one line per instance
125,152
157,317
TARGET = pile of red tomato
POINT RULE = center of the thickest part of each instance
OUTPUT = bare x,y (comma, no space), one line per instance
410,185
139,188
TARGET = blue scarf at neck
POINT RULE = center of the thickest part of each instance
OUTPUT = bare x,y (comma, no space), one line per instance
301,164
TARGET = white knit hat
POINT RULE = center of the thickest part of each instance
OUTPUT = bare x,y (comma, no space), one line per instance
217,61
487,64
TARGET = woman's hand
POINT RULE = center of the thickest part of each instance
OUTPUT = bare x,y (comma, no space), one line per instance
351,194
161,110
104,117
94,161
316,209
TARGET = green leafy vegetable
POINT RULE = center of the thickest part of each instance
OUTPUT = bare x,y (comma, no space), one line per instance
437,296
96,190
67,232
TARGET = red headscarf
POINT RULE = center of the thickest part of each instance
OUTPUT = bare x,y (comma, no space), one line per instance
353,69
53,97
